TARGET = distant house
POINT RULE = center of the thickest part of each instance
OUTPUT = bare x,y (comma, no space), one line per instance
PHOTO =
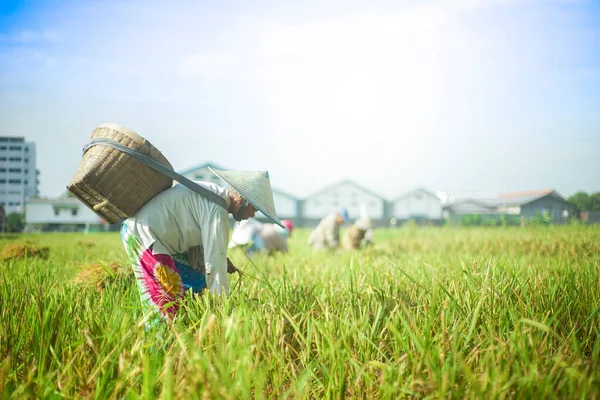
345,194
529,204
61,214
419,204
523,204
455,211
202,173
286,205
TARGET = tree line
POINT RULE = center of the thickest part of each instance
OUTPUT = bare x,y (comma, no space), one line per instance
583,201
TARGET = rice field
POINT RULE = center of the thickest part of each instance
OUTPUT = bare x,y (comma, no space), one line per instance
424,313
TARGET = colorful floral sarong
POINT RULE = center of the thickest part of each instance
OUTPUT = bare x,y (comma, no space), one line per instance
162,279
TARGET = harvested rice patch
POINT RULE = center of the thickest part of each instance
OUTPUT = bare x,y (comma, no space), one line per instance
13,251
88,244
100,275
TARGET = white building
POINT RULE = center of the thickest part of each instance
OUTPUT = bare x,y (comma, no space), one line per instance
286,205
418,204
63,214
202,173
345,194
18,174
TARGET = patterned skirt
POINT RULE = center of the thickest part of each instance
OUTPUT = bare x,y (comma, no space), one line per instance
162,279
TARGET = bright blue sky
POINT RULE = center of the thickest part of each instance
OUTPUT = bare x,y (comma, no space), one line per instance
459,95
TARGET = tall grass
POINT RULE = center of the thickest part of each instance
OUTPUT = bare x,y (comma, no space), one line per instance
426,312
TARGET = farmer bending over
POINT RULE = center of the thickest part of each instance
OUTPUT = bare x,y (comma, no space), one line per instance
254,236
358,234
178,240
327,234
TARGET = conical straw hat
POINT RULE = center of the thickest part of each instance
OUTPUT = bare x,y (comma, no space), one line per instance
255,187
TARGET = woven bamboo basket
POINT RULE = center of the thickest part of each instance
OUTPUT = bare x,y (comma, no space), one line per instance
114,184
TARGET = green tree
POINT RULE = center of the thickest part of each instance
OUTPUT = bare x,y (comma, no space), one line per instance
15,222
581,201
595,202
543,219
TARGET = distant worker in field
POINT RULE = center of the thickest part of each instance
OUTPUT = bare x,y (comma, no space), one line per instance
359,234
327,234
255,236
178,240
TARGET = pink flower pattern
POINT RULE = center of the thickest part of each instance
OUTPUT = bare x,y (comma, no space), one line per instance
163,293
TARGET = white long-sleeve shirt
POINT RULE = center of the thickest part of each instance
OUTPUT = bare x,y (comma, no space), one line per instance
327,234
179,219
244,232
274,237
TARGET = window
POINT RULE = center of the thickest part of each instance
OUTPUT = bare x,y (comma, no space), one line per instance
2,169
26,148
74,212
2,180
14,181
199,177
2,147
15,148
17,170
55,211
26,181
15,159
2,158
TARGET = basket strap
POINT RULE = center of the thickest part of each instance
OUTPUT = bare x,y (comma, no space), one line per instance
202,191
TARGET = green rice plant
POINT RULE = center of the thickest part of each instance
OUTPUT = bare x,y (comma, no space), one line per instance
498,312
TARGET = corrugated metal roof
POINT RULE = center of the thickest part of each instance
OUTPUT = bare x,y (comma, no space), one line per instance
419,189
521,198
526,193
67,201
470,207
346,181
201,166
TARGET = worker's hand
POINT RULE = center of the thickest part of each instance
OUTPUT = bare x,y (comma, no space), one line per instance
232,268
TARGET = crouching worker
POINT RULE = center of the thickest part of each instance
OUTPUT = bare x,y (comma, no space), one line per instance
255,236
327,234
178,240
359,234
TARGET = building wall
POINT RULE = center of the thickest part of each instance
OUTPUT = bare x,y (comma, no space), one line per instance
590,217
417,204
18,175
554,206
344,195
286,206
71,211
203,174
